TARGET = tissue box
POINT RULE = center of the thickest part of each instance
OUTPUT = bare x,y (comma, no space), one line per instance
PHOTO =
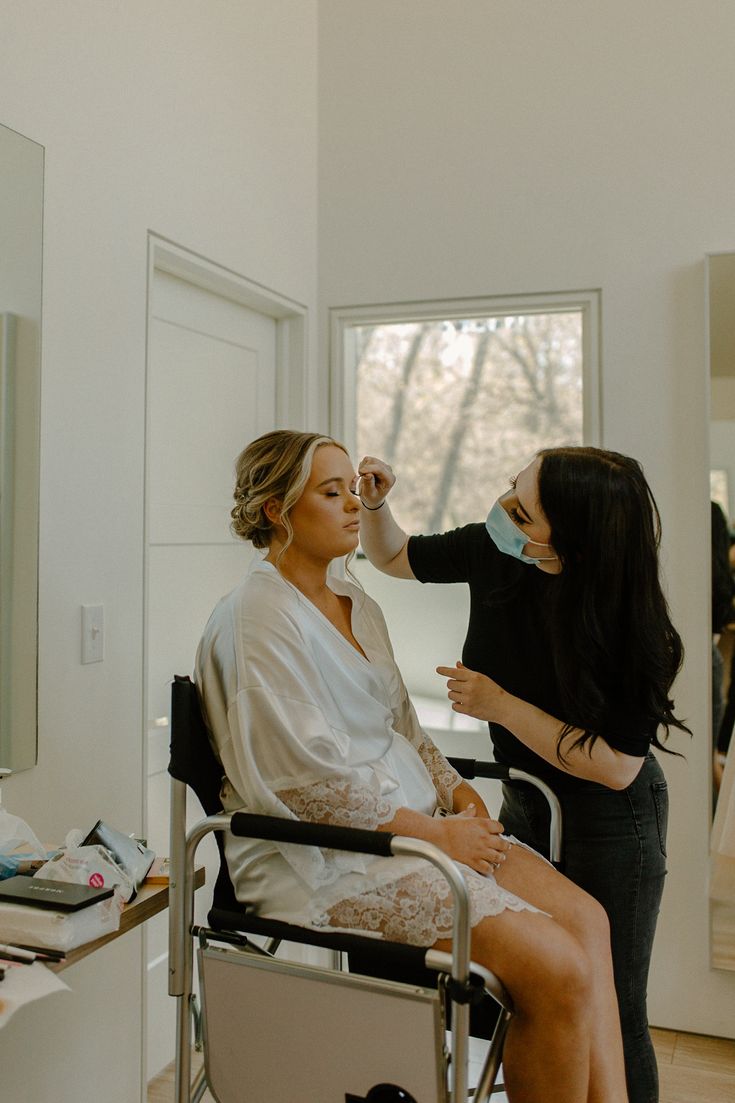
21,924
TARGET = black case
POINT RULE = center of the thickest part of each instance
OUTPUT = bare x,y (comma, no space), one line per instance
59,896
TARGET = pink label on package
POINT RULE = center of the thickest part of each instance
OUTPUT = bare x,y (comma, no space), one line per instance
97,881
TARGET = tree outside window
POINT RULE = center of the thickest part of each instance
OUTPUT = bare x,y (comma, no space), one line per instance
458,406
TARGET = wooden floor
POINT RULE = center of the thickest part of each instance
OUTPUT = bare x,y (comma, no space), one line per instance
695,1069
692,1069
161,1089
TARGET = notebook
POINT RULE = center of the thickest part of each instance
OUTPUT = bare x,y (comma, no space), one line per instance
61,896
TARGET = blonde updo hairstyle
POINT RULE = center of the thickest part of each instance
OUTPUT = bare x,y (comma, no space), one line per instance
276,465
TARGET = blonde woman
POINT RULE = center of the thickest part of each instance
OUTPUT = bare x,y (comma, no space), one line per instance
310,718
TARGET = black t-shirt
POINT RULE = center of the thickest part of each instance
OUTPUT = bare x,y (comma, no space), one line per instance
508,639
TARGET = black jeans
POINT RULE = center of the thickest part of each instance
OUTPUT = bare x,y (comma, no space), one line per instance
614,848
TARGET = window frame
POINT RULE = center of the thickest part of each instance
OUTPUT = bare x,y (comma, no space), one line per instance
342,352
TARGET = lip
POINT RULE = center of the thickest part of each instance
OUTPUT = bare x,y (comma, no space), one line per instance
353,526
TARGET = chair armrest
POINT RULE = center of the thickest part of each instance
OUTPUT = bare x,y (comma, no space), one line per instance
470,768
273,828
280,830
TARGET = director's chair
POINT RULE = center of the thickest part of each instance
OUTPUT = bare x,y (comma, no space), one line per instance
276,1031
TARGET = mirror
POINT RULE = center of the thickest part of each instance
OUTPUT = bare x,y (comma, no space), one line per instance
720,276
21,223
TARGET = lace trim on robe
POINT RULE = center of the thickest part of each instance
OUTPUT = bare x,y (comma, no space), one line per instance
418,907
338,801
445,777
346,803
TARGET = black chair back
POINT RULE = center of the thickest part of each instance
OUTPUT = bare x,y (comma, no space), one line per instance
192,758
193,761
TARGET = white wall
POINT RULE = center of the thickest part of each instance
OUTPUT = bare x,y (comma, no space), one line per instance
486,148
722,401
198,121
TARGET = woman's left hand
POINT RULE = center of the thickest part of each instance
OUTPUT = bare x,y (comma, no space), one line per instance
473,694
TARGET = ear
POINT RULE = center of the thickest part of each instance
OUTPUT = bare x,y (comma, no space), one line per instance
272,510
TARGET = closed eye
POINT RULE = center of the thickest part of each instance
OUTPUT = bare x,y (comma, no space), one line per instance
515,515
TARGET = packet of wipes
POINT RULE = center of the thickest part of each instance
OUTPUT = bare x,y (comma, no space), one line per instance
87,865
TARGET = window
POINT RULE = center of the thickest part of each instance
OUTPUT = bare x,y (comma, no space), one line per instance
458,396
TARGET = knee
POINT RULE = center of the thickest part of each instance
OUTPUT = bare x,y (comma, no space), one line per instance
592,927
572,980
561,983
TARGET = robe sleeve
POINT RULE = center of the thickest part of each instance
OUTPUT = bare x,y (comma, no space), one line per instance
344,802
445,777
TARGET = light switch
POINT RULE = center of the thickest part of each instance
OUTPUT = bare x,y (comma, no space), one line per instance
93,634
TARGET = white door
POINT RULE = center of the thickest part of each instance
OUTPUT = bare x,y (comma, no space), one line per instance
210,390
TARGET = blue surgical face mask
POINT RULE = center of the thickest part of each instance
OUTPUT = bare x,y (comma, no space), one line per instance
509,539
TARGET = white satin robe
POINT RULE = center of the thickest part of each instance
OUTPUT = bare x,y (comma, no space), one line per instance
307,727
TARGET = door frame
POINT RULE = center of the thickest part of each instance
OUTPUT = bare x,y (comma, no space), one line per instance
291,320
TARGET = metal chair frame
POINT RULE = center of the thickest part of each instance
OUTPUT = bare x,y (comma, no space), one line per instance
465,981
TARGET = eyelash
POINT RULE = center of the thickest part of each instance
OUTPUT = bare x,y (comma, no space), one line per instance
513,512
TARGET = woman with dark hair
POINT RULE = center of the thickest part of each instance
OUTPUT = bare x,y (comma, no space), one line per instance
570,656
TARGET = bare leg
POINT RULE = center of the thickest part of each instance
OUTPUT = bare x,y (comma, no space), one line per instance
580,915
563,1044
547,1050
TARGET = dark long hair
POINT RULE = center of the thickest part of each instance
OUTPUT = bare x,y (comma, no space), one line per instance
615,650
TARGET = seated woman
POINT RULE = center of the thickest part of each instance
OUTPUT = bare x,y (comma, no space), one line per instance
310,718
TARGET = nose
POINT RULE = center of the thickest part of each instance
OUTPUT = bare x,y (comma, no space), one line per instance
352,502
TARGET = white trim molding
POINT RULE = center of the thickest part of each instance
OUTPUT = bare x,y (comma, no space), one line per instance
291,317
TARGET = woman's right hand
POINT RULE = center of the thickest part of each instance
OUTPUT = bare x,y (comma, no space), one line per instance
376,480
477,843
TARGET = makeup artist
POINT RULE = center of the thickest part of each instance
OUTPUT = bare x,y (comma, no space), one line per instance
570,656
